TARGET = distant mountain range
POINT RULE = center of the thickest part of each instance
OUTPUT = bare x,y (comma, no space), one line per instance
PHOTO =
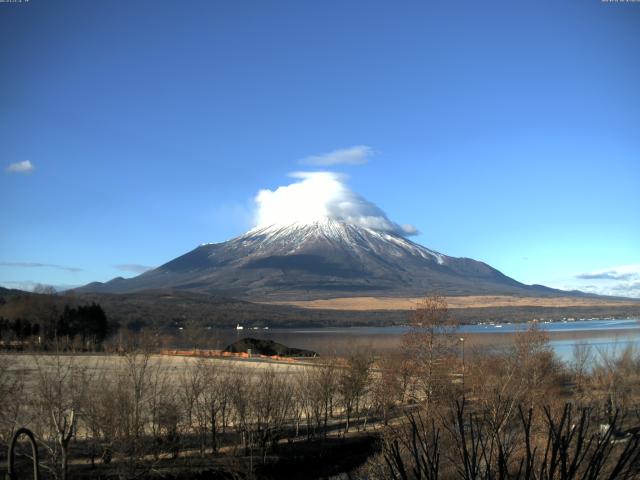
320,259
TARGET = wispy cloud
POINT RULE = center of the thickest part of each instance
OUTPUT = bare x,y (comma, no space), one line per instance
623,272
133,267
21,167
40,265
356,155
622,289
619,281
409,229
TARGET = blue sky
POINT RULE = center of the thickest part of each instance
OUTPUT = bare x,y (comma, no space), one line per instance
504,131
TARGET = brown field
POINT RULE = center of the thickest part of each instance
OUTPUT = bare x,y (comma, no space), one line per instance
174,366
476,301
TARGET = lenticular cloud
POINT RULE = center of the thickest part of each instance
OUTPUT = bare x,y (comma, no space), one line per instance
317,196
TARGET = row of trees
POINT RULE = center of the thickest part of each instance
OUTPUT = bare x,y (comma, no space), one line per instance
518,412
525,416
541,443
126,413
84,325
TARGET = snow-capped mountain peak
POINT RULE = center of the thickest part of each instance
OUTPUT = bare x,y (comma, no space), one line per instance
319,258
296,236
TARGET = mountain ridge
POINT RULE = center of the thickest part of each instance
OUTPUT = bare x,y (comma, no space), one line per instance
317,259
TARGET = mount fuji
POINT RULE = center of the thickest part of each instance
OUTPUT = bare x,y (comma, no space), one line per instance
320,259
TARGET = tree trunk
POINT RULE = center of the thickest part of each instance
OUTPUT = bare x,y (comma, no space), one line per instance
224,416
63,450
214,442
326,419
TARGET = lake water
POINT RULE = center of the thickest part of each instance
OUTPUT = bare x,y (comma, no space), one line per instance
604,335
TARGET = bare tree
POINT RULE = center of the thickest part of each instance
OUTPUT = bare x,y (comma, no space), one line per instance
193,335
614,378
567,446
414,449
205,397
353,381
429,341
217,396
44,289
241,409
60,385
525,373
271,408
299,404
12,396
102,427
308,403
321,391
389,385
190,393
535,364
163,411
580,364
166,425
131,399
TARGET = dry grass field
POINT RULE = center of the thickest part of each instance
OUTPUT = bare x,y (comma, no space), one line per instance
475,301
174,366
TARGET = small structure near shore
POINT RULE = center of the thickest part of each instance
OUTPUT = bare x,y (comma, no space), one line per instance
257,346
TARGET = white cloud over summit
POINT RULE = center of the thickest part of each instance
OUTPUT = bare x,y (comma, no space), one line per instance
316,196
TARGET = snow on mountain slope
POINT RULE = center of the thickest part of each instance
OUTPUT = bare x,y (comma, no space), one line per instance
318,259
342,235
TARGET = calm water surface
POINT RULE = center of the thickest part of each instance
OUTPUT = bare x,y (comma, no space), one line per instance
604,335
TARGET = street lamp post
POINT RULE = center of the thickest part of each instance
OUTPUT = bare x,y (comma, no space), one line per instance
462,347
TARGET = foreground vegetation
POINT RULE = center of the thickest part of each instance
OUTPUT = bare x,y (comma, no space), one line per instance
425,412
